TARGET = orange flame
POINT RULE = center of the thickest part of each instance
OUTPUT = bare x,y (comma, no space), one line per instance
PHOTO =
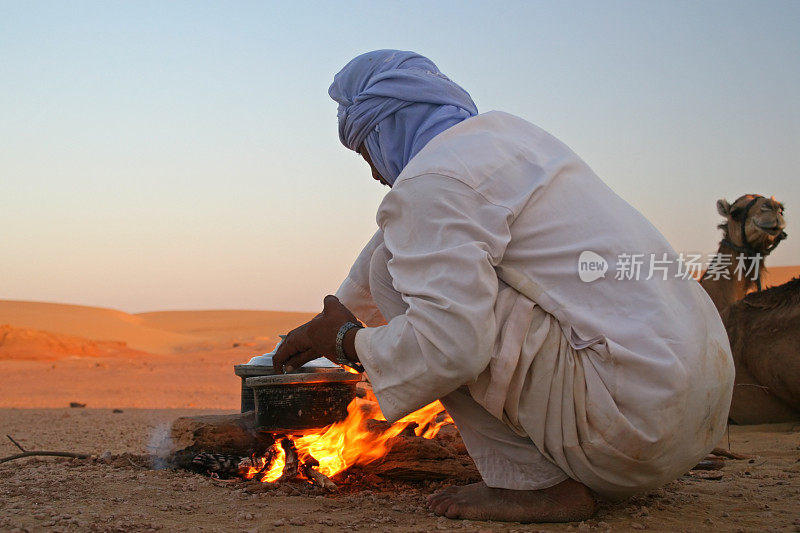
275,470
350,442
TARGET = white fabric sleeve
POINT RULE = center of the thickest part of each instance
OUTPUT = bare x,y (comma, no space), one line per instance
445,239
354,291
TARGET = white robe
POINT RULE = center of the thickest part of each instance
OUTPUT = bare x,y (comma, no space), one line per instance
485,224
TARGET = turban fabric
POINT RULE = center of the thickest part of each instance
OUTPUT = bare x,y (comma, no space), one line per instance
395,102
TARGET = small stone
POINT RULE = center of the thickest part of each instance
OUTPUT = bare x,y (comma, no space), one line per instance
279,523
725,514
297,521
637,525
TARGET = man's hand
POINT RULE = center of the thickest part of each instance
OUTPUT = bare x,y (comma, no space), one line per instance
316,338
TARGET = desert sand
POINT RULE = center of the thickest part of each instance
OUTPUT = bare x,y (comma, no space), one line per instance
54,354
779,275
155,367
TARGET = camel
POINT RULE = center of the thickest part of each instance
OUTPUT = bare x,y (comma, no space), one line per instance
753,227
764,331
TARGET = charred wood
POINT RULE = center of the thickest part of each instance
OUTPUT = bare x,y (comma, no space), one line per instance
292,466
416,458
234,435
318,478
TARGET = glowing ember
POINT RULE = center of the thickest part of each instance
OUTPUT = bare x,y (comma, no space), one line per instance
349,442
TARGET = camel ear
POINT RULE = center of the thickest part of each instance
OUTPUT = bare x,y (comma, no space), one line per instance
723,207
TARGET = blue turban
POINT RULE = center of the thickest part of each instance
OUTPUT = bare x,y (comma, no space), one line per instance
395,102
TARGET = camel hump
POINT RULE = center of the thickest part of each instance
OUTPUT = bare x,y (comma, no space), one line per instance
764,330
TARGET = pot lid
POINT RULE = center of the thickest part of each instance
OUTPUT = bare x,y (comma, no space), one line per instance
311,366
261,365
258,382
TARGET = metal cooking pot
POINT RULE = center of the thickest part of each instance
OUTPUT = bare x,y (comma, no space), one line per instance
311,397
302,401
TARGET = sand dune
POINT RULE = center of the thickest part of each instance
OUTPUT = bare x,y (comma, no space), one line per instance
33,344
165,332
778,275
94,323
172,359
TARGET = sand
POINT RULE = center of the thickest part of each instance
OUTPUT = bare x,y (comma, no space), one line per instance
114,495
178,363
778,275
158,333
108,358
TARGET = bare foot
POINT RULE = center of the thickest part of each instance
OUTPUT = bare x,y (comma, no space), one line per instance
569,501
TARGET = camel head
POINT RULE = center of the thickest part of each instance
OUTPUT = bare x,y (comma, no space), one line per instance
752,222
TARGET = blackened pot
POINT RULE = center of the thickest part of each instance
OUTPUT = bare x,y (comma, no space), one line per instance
293,402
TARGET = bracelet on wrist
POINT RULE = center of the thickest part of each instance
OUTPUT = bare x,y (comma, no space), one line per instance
341,357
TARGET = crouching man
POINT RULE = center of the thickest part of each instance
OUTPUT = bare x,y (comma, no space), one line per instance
497,284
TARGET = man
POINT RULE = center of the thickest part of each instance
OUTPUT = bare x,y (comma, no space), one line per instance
562,380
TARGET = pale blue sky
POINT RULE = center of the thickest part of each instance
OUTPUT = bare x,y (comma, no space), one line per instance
184,155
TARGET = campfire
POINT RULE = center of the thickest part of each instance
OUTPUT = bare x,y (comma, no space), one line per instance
311,426
231,447
359,439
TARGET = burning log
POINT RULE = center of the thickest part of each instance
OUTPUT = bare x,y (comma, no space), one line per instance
379,427
291,466
211,444
319,479
234,435
414,458
307,468
262,472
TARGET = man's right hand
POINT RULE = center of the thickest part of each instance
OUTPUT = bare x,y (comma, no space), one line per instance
316,338
296,347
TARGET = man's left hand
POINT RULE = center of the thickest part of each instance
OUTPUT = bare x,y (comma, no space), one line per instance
316,338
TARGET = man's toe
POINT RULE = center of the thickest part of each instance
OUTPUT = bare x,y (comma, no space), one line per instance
441,506
444,493
453,510
435,498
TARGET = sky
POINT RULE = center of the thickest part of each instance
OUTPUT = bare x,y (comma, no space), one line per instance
184,155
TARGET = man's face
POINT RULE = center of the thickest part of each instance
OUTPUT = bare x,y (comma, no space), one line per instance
375,174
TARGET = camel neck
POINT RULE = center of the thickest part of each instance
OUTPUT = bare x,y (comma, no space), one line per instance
726,281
